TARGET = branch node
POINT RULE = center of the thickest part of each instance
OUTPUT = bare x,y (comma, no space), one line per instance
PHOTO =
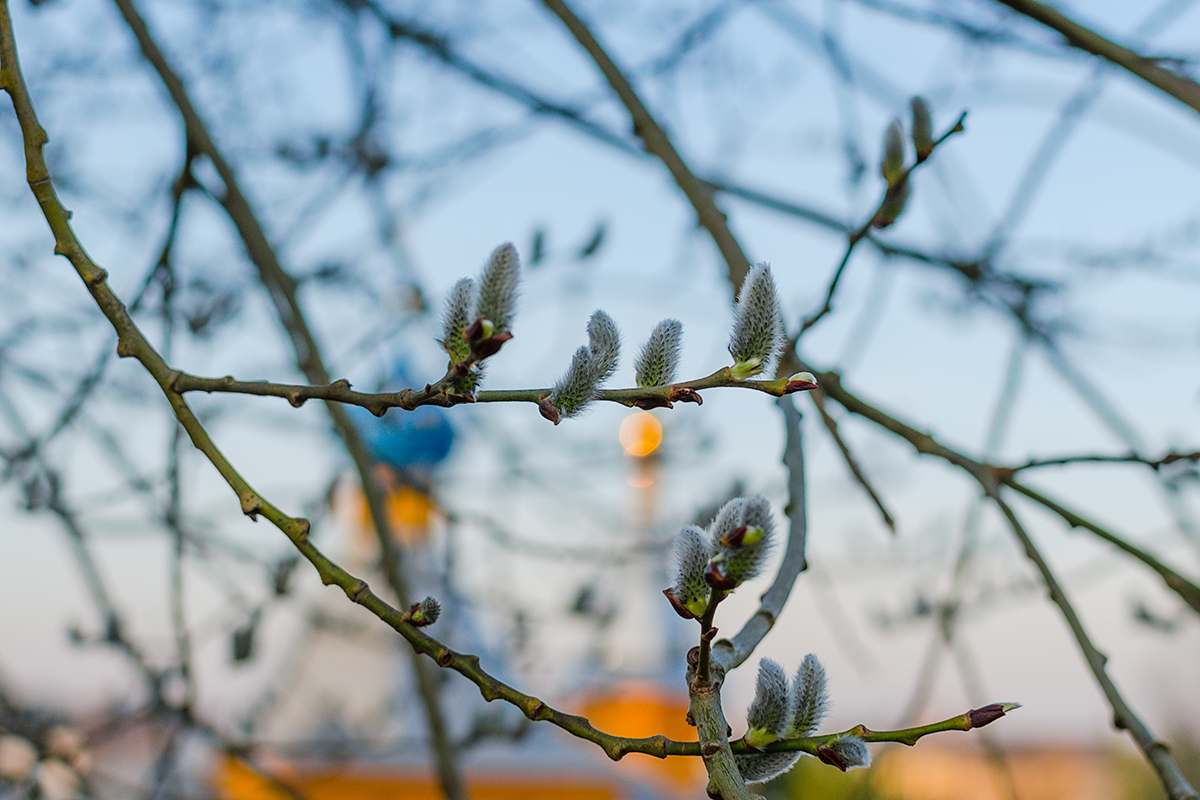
548,409
647,403
830,756
682,394
126,347
252,506
94,277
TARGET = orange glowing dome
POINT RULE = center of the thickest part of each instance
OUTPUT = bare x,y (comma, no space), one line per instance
410,511
640,434
636,708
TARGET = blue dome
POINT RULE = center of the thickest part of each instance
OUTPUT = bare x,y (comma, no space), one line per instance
405,439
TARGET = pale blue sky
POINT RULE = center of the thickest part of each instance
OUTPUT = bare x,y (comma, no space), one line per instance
759,107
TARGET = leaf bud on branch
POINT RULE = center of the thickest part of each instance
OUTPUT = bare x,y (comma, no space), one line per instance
922,128
423,613
891,165
477,320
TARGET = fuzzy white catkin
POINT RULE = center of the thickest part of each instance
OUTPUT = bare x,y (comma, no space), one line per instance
658,359
690,555
758,334
431,609
578,386
852,750
770,712
604,340
810,698
459,313
727,518
498,288
738,559
756,512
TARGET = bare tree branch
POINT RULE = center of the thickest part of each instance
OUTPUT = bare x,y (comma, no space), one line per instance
656,141
1125,719
281,288
1181,87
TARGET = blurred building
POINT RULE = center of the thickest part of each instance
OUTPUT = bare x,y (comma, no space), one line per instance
348,722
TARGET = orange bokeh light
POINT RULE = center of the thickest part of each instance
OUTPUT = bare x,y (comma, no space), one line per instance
640,434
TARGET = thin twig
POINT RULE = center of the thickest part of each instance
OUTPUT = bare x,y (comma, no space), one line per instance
989,477
1156,464
656,142
1182,88
1111,416
281,288
861,232
855,468
1124,718
438,394
1188,590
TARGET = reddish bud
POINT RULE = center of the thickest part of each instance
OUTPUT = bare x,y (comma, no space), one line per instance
548,409
831,757
489,346
474,332
647,403
715,577
801,381
683,395
734,537
989,713
679,607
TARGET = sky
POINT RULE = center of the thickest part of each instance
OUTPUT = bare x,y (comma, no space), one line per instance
1114,219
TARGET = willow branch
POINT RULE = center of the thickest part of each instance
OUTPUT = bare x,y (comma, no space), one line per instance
1124,718
437,394
724,780
968,721
989,477
730,653
132,343
861,232
1188,590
